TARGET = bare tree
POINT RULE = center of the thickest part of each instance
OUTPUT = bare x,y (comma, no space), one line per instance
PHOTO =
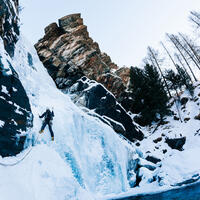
173,80
165,48
177,100
185,49
188,52
192,46
195,18
176,43
180,61
153,57
178,58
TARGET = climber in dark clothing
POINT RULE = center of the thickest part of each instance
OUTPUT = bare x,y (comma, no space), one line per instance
47,120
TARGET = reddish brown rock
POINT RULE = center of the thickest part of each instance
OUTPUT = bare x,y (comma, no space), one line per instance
112,82
124,73
68,53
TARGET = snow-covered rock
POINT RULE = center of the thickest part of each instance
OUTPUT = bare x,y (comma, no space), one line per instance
94,96
15,115
9,27
176,166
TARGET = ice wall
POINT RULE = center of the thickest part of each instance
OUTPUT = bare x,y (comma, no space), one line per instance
94,154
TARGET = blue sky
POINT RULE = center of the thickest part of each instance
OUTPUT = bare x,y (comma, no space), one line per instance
123,28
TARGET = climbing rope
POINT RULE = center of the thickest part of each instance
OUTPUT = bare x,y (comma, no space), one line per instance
19,161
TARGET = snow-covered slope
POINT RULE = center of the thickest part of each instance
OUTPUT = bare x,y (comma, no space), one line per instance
174,168
88,159
175,165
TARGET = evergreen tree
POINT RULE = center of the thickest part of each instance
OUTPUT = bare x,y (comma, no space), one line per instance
136,87
175,83
148,93
173,79
185,79
156,97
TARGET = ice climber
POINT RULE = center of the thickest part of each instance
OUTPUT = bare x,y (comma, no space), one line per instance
48,117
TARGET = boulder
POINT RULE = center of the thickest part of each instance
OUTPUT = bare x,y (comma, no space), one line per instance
159,139
152,159
176,143
197,117
184,100
176,118
186,119
164,151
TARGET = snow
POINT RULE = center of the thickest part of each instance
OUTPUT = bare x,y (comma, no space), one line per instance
2,123
88,160
4,90
82,162
39,177
180,166
176,166
14,89
6,70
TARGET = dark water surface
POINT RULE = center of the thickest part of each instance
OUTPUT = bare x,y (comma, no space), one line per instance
191,192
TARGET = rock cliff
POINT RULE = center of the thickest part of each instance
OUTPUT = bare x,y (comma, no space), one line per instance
9,28
76,64
68,53
15,116
92,95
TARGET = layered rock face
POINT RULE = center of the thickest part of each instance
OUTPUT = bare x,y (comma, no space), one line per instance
9,28
94,96
15,116
69,53
76,64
